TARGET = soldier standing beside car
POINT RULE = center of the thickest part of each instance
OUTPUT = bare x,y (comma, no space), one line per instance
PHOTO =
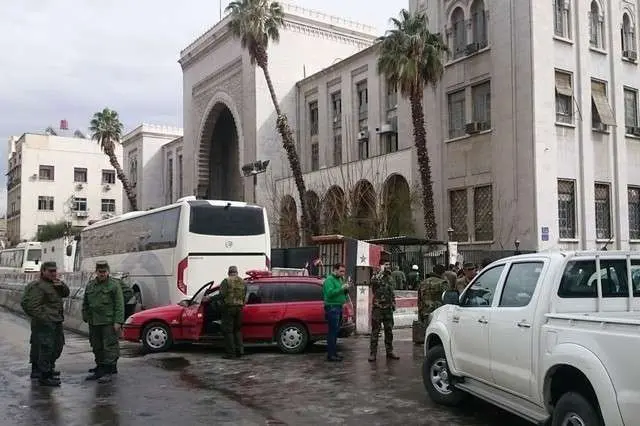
42,302
233,292
103,310
384,304
430,293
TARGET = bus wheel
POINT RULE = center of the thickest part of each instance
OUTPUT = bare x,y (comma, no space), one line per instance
156,337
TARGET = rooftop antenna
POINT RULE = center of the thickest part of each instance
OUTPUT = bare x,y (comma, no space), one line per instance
219,10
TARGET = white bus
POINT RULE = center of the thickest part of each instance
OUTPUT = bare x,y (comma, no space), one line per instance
172,251
62,251
24,257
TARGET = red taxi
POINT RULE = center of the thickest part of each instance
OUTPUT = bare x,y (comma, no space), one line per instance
286,310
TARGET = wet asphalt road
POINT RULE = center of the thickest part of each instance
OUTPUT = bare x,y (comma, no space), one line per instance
193,385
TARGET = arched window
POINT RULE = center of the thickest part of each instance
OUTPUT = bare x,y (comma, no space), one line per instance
479,23
628,36
459,33
596,26
562,18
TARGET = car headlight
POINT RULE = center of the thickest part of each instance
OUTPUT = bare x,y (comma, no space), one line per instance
129,320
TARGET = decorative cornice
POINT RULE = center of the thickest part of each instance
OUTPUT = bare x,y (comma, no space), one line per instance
152,130
334,82
226,71
338,65
360,70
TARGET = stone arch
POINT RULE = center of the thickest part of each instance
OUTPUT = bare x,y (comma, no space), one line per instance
289,230
334,210
220,151
363,204
313,205
396,206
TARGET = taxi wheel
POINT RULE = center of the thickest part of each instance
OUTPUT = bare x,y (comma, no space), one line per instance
156,337
292,338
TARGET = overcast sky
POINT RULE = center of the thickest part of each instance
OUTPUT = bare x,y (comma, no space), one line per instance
66,59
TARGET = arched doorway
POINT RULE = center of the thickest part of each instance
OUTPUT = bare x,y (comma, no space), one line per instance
313,205
219,174
396,206
363,203
334,210
289,229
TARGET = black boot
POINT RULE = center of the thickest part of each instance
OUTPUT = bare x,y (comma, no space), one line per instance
98,372
35,373
47,379
93,370
108,371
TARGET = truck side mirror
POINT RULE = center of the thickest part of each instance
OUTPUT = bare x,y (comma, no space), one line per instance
450,297
69,250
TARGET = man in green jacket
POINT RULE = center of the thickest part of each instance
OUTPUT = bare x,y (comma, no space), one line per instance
103,310
334,293
233,292
42,302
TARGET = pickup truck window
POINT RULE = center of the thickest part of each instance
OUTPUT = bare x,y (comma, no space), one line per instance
580,279
481,293
520,284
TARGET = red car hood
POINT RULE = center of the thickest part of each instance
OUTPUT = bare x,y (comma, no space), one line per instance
167,313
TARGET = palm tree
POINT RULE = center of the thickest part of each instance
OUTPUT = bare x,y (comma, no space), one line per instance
106,129
256,23
410,58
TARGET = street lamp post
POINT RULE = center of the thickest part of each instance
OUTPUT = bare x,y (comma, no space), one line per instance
517,244
253,170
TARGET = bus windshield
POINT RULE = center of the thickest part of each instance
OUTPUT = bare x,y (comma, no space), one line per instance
34,255
207,219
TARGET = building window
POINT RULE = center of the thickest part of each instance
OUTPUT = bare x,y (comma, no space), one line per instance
479,24
363,99
564,98
389,142
108,177
315,156
567,208
363,149
336,109
483,213
481,97
459,28
596,26
79,204
391,98
631,111
79,175
46,173
337,150
603,211
170,179
628,36
313,118
108,205
180,176
45,203
458,214
456,114
601,112
633,193
562,18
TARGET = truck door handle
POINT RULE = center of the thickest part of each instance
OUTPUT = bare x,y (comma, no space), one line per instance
524,324
455,319
482,320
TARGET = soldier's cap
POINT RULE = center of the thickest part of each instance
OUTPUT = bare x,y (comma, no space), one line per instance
48,265
233,270
102,265
469,265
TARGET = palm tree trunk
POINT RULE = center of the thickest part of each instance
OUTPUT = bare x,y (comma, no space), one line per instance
126,185
419,134
288,143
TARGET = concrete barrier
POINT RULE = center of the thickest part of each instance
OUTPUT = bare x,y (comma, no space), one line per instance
406,309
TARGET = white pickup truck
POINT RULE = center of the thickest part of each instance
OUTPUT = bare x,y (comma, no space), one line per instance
551,337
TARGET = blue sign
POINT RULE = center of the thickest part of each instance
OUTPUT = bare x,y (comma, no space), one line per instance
545,233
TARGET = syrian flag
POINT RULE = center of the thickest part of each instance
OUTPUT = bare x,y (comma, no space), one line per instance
368,254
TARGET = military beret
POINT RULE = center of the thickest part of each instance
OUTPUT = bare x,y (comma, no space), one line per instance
233,270
102,264
49,265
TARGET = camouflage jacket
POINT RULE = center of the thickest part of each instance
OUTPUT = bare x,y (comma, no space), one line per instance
430,295
103,302
233,291
42,300
383,294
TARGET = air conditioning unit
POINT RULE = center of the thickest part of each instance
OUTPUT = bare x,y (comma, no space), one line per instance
79,186
81,213
599,127
363,135
631,55
106,187
472,48
387,128
471,128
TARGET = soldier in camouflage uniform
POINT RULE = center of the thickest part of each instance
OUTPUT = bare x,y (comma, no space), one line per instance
42,302
430,293
384,304
103,310
233,292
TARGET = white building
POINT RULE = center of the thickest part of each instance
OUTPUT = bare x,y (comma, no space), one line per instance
145,161
58,176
